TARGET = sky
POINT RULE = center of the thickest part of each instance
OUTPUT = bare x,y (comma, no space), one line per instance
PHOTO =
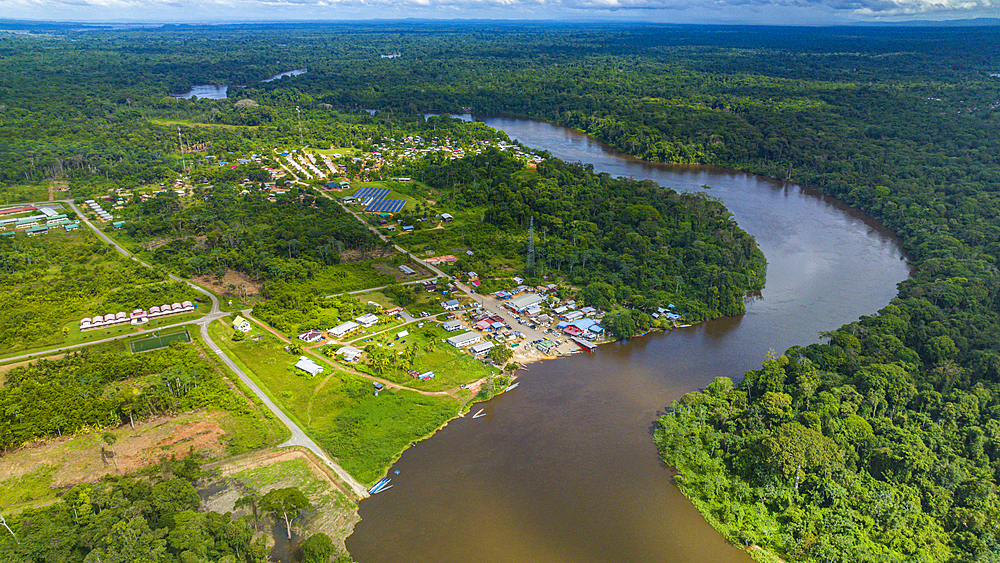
760,12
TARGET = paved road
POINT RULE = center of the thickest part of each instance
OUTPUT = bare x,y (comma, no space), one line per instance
299,438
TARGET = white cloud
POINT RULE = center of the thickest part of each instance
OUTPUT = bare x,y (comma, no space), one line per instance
682,11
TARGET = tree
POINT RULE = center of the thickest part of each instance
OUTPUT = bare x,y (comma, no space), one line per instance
317,549
500,354
251,498
285,504
110,439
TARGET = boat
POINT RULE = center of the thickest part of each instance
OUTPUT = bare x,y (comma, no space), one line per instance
511,387
383,485
479,414
380,483
381,490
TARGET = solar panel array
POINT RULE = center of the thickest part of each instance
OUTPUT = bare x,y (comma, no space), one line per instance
374,193
386,206
375,201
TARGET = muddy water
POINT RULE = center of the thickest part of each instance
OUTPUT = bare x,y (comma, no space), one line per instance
563,468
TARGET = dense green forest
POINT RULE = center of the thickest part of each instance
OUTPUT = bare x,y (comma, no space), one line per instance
628,242
880,444
290,239
147,518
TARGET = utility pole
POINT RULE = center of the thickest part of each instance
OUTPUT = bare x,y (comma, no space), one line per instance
298,113
529,263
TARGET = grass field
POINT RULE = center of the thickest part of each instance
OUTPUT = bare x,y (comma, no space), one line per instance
26,194
161,341
452,367
338,409
331,280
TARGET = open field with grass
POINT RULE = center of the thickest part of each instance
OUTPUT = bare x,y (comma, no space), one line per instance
365,433
451,366
25,193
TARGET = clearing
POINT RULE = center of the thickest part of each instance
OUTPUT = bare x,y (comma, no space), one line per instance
334,513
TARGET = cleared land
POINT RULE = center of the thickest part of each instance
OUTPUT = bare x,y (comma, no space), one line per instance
333,512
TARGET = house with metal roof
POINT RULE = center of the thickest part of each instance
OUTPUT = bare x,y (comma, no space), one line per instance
349,353
367,320
465,339
521,303
481,348
307,365
311,336
343,329
241,324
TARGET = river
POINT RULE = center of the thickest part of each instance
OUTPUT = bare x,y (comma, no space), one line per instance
563,469
221,91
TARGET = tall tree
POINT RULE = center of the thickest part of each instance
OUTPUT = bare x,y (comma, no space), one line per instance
285,504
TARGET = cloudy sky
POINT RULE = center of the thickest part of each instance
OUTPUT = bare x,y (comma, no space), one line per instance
771,12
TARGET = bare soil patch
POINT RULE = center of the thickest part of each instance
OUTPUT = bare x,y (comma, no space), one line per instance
84,458
238,280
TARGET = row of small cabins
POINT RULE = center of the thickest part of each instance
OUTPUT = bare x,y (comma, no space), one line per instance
137,316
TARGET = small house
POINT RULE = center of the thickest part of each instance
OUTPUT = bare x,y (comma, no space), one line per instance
407,270
481,348
367,320
349,354
241,324
311,336
447,218
451,305
452,326
307,365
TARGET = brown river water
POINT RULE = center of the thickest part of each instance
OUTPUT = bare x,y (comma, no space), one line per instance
563,469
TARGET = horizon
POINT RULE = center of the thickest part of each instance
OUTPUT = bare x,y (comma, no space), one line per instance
778,13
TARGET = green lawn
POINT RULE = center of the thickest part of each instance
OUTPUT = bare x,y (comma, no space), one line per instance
27,194
365,433
452,367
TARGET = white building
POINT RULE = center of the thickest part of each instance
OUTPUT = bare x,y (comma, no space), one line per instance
367,320
465,339
309,366
521,303
349,353
241,324
481,348
343,329
451,305
452,326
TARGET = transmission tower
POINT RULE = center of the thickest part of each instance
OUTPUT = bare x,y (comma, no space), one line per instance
180,143
529,264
